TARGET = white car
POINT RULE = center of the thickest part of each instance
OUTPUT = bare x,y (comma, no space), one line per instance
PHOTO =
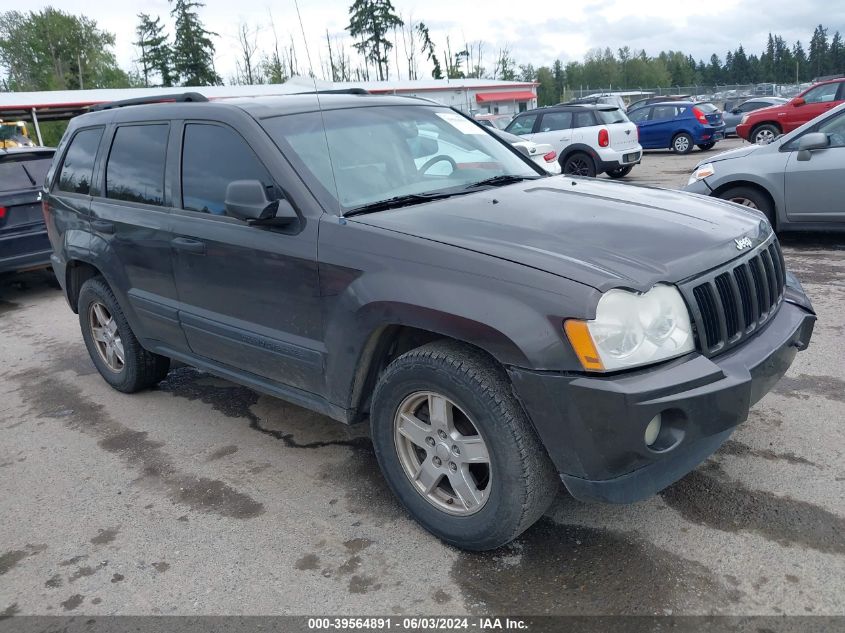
589,139
541,153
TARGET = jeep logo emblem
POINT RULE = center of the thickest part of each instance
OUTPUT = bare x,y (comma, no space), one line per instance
742,242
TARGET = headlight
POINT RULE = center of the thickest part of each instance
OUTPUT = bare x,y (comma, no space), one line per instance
632,329
701,172
743,119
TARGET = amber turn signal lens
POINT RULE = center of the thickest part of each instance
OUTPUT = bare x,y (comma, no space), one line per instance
582,342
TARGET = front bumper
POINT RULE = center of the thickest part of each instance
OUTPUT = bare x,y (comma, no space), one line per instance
593,427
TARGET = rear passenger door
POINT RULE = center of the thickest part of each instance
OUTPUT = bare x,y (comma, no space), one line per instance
660,126
249,297
130,225
554,128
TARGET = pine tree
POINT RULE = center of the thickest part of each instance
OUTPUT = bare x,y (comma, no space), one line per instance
193,50
428,49
156,53
372,20
818,52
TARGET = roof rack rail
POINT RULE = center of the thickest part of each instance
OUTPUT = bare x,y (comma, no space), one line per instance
336,91
181,97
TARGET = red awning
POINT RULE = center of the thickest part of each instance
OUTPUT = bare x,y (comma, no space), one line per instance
518,95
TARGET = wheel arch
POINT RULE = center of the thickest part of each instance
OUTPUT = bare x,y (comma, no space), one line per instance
756,186
579,148
77,272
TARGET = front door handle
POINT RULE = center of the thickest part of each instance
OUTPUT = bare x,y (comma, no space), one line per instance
188,245
102,226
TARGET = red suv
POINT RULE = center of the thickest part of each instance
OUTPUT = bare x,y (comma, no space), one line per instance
762,126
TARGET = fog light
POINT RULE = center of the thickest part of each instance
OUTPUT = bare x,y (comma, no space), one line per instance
653,430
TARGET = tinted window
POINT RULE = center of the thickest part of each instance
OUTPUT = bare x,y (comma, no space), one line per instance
522,124
835,130
822,94
663,112
611,116
27,173
556,121
584,119
212,157
638,116
78,167
135,169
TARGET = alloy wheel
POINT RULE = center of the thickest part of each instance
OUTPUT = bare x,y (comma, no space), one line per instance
743,201
106,336
681,144
577,167
442,453
764,137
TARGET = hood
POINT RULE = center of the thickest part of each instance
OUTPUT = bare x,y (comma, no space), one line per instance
739,152
600,233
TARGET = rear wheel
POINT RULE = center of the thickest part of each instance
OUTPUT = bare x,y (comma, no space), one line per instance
764,134
682,143
751,198
620,172
705,146
579,164
456,447
112,345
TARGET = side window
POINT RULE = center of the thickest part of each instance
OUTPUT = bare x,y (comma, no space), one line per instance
822,94
78,166
135,169
522,124
661,113
835,130
212,157
750,106
552,121
584,119
639,115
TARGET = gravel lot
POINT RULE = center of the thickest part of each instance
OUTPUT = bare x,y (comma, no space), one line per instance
203,497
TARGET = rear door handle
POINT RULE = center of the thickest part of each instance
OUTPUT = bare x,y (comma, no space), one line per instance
102,226
188,245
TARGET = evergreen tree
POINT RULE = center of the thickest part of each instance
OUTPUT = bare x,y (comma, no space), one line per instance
800,62
837,54
372,20
193,50
428,49
156,53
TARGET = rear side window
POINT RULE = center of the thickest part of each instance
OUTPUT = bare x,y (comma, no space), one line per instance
660,113
78,166
26,173
212,157
135,169
584,119
552,121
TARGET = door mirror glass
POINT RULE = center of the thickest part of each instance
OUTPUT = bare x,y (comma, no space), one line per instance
809,142
247,200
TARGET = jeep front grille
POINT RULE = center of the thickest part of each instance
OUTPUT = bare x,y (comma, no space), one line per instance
730,303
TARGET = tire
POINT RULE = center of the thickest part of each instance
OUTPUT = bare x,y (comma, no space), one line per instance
521,481
682,143
764,134
620,172
578,164
751,198
138,369
706,146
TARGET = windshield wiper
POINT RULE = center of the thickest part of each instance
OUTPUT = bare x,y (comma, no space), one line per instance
504,179
399,201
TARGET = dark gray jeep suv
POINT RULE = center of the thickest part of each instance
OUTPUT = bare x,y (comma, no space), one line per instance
388,258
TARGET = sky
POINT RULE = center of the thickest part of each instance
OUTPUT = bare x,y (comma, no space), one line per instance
535,32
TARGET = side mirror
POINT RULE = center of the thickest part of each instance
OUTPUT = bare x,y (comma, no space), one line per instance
735,111
798,101
810,142
247,200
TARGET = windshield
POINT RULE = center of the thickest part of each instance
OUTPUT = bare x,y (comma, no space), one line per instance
611,116
383,152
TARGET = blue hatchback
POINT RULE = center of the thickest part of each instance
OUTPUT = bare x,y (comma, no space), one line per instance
679,125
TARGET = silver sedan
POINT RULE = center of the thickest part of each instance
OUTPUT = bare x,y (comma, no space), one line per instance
797,181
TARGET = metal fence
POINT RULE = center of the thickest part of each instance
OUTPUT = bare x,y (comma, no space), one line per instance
718,93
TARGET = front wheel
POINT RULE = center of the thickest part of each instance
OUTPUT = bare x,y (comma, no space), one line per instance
705,146
112,345
456,447
620,172
682,143
751,198
579,164
764,134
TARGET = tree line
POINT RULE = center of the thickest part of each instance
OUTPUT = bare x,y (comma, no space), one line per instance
51,49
